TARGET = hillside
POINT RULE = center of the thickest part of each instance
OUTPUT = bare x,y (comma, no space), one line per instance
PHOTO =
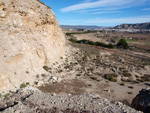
133,26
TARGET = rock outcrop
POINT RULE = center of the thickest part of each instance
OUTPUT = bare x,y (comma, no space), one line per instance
142,101
30,37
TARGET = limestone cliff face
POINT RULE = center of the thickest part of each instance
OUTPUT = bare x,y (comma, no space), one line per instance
30,37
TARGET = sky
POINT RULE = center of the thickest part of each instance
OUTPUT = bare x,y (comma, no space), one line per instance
100,12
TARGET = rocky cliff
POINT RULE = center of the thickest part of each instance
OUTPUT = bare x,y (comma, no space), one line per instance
30,37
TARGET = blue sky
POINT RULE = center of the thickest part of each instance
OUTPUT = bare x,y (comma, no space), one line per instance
100,12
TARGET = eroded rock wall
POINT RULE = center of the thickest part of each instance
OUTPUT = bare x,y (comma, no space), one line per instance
30,37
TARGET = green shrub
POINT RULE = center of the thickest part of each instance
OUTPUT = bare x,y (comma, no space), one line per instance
146,78
123,44
37,76
46,68
27,83
126,74
0,95
6,95
23,85
111,77
93,78
136,76
73,40
84,41
110,45
122,84
131,87
130,93
43,75
78,74
90,85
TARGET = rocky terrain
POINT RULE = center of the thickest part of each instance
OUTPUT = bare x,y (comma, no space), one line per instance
103,71
59,76
133,26
31,100
30,37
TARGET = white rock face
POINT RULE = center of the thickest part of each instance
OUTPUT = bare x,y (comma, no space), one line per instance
30,37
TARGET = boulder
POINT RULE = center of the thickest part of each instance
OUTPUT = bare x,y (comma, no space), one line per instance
142,101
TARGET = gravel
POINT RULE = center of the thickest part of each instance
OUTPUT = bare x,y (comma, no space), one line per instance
32,100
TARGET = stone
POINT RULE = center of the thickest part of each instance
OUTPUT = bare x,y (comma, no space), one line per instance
142,101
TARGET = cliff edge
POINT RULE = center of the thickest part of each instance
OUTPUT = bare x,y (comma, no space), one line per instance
30,37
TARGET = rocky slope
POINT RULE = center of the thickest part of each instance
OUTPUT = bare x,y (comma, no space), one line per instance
133,26
30,37
31,100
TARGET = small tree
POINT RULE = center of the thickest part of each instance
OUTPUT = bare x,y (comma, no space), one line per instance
122,43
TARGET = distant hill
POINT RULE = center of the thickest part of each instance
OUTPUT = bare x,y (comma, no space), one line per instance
81,27
133,26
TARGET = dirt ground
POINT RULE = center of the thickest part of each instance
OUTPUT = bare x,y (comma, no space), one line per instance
109,90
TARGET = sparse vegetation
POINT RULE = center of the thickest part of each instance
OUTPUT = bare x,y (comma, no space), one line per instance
111,77
46,68
93,78
146,78
126,102
89,31
0,95
129,93
136,76
122,84
131,87
23,85
37,76
6,95
27,83
126,73
90,85
78,74
92,43
43,75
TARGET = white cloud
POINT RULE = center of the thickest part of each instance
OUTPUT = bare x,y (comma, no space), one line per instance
76,20
139,19
146,9
104,4
106,12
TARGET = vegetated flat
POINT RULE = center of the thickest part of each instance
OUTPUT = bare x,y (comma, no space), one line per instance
89,36
141,40
136,39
